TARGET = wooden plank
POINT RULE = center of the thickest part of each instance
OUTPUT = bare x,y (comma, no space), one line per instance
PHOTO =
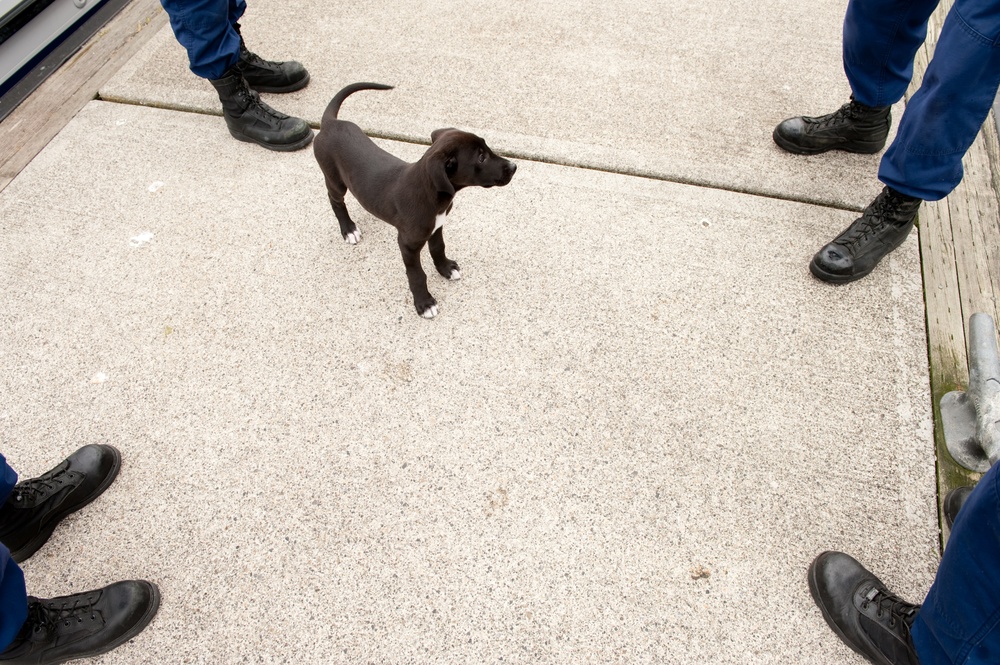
46,111
946,335
946,332
992,145
989,219
975,212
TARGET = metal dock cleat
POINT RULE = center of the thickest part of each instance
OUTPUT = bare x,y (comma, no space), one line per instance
971,418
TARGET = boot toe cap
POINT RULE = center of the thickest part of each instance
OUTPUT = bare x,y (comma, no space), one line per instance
834,577
127,607
96,460
790,135
832,262
295,133
790,129
294,70
130,601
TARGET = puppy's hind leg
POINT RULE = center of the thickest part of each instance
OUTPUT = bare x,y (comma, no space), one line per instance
336,191
445,266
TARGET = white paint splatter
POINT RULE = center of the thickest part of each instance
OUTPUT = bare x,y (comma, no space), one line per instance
154,186
141,239
100,377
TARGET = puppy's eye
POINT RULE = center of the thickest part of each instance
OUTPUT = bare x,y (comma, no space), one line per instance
482,157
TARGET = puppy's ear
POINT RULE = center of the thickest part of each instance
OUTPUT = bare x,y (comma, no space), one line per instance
440,168
436,134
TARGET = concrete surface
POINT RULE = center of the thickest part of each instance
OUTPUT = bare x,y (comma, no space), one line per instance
634,423
618,397
690,93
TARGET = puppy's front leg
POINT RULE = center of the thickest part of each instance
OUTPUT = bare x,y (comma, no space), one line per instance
415,275
444,265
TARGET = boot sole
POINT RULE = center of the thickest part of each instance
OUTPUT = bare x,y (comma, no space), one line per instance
288,88
33,545
859,147
277,147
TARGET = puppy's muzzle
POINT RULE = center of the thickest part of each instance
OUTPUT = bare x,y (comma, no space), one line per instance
506,173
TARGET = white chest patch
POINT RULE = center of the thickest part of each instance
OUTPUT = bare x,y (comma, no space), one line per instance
439,221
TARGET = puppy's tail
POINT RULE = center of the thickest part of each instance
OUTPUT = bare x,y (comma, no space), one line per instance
334,107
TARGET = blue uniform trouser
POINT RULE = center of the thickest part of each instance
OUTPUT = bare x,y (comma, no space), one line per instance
205,29
942,119
13,597
959,622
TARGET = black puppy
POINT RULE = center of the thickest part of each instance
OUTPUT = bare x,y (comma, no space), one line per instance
415,198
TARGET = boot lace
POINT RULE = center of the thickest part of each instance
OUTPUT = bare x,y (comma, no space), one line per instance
246,54
874,218
46,616
849,111
39,619
899,611
859,231
35,490
248,57
250,99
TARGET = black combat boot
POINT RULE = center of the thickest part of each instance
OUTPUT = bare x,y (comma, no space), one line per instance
862,611
251,120
84,624
269,76
882,228
854,128
37,505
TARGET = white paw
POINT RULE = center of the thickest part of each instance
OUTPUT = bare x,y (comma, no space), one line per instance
353,237
455,275
430,312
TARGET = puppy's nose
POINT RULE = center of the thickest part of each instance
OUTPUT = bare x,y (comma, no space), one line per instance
506,172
